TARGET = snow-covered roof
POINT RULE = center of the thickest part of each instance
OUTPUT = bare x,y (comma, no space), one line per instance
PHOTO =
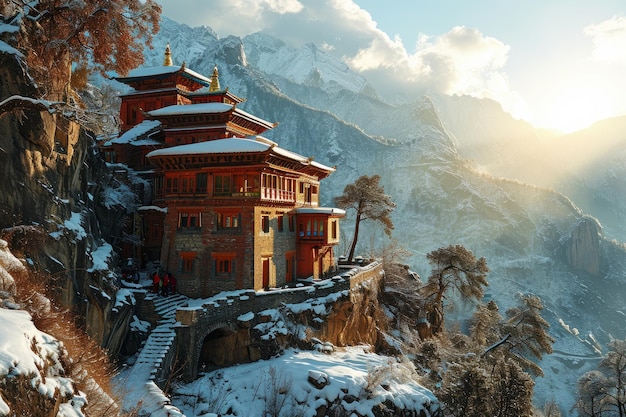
198,108
229,145
332,211
155,208
204,108
138,131
233,145
164,70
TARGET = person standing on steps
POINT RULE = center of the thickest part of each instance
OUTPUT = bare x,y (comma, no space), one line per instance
166,284
156,282
173,283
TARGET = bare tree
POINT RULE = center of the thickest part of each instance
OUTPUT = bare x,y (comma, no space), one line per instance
368,199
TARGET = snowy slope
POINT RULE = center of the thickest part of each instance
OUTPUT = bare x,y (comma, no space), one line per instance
298,383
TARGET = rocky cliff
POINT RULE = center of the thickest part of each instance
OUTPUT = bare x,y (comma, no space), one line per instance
582,249
53,210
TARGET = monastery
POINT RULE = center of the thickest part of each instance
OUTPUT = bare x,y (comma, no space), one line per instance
224,208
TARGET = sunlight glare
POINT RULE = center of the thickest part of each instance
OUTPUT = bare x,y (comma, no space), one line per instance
576,109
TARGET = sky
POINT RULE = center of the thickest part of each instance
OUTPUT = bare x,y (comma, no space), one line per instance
557,63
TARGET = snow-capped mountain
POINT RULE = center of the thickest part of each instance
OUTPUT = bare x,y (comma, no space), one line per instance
458,170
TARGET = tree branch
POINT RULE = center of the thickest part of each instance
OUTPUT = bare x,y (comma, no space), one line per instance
498,343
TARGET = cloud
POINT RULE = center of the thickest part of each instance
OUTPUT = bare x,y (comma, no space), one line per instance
609,40
461,61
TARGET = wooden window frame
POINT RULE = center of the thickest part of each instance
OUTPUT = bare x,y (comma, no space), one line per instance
223,263
187,262
228,220
185,219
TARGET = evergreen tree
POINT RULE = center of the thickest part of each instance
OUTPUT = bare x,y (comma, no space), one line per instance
525,333
593,394
368,199
466,388
455,268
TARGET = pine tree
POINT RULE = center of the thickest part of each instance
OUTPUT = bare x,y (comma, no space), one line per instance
525,333
466,389
593,394
455,268
614,368
368,199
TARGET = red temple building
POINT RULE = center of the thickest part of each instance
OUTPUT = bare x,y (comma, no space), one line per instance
225,208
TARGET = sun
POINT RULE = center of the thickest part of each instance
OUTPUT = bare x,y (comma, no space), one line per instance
576,108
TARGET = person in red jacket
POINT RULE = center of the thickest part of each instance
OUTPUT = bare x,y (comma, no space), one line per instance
166,285
156,282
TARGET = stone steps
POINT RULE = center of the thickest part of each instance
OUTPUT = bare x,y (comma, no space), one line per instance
161,338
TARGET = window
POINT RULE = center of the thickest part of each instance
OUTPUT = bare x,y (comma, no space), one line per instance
265,224
187,184
223,263
187,265
201,182
109,156
222,266
311,228
334,227
187,261
171,185
279,225
227,220
157,186
189,220
222,184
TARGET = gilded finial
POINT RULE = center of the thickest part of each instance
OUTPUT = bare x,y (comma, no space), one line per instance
167,61
215,81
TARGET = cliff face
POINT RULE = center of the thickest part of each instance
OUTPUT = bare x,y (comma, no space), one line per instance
53,211
582,249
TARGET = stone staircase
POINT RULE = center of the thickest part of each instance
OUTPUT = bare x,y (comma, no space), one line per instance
155,350
162,336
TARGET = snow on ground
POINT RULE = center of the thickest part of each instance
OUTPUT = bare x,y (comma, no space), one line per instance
299,382
27,352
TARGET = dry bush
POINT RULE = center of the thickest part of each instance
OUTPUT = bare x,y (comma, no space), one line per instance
23,239
24,400
86,363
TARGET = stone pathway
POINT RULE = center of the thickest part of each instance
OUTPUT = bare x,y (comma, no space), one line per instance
146,394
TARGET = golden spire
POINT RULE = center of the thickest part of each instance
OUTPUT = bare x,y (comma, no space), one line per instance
215,81
167,61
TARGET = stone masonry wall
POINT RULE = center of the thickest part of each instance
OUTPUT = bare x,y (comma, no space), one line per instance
198,322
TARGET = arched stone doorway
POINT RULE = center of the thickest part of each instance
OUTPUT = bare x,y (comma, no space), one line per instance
224,347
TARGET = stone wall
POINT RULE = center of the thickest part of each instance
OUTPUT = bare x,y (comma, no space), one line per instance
223,312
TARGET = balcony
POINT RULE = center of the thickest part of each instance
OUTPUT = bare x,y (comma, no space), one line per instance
273,194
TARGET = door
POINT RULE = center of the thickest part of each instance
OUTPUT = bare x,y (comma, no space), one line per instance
266,273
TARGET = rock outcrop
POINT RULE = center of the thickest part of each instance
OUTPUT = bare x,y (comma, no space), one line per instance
582,249
53,207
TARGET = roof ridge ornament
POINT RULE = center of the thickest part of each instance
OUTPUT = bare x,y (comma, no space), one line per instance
167,60
215,81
